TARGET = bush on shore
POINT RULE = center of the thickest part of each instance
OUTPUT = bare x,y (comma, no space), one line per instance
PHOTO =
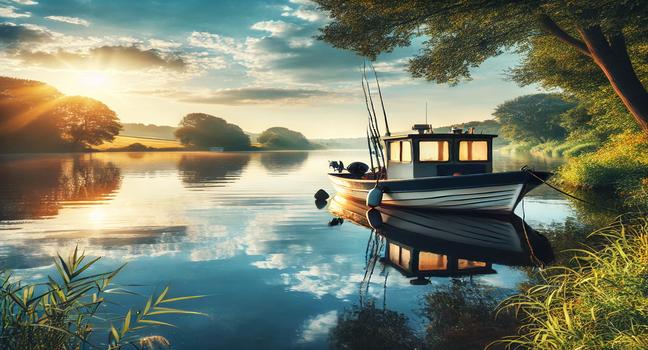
597,302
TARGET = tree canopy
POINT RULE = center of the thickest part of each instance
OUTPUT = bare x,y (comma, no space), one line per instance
84,121
204,130
283,138
579,46
35,117
533,117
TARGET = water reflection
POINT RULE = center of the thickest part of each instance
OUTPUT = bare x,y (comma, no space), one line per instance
215,169
422,244
283,162
34,187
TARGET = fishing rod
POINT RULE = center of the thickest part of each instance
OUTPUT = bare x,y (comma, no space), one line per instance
375,120
382,104
369,147
371,128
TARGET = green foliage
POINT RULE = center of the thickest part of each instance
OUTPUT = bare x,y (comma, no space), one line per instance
35,117
85,122
620,163
533,117
367,327
61,314
283,138
597,302
204,130
462,316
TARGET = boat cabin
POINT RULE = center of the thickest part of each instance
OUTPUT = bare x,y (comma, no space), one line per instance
425,154
413,262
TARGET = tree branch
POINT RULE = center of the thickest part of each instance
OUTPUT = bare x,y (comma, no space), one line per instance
550,26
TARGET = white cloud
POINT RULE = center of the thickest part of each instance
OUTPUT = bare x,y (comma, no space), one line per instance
275,28
26,2
318,326
306,10
10,12
69,20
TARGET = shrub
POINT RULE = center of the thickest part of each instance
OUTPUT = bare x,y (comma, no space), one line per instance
598,303
61,314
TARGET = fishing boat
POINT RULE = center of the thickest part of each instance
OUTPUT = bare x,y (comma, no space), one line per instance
423,243
441,171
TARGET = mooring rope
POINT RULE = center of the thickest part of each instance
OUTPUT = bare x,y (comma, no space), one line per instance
529,171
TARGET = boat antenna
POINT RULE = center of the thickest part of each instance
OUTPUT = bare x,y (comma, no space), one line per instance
382,104
426,123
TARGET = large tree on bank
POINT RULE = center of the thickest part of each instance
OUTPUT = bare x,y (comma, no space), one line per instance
461,34
203,130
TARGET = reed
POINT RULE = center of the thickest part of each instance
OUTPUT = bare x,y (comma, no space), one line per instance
66,311
599,301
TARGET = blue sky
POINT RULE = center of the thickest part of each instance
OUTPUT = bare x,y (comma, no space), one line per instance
254,63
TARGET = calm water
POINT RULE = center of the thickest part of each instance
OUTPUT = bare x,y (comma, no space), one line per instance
241,228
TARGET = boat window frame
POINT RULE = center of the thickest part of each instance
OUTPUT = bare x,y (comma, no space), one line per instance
489,151
400,151
450,152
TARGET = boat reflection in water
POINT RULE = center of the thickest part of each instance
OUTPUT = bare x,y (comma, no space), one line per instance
422,244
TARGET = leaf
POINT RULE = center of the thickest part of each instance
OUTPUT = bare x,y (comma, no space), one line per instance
126,323
157,323
182,298
162,295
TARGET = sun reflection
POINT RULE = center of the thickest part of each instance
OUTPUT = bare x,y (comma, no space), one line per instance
96,216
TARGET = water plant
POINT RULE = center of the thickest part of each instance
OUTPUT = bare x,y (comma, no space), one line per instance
599,301
66,312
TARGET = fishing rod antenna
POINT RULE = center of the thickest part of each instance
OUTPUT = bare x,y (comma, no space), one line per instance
382,104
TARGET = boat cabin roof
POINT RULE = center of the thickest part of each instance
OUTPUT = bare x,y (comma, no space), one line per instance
439,136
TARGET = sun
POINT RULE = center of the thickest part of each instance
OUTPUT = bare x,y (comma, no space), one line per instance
94,80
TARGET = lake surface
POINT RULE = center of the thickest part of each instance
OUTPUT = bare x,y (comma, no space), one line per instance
240,228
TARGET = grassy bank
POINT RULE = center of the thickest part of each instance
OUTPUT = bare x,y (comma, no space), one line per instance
551,148
125,141
598,301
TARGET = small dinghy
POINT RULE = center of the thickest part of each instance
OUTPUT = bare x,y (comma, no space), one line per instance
449,171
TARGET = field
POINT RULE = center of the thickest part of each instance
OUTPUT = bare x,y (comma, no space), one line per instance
123,141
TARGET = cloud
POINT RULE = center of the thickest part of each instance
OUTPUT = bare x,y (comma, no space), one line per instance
26,2
10,12
240,96
105,57
69,20
318,326
275,28
12,34
305,10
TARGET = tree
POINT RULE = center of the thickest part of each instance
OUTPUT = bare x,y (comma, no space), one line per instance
283,138
204,130
609,37
533,117
85,122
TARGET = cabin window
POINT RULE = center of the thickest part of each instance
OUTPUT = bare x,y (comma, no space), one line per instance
463,264
394,151
400,151
399,256
473,150
406,152
434,151
432,262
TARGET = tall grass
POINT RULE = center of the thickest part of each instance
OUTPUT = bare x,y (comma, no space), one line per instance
66,311
598,302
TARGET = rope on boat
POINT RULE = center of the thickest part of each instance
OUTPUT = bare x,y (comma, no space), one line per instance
530,172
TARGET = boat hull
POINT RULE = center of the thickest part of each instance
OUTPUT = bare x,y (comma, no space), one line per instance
491,192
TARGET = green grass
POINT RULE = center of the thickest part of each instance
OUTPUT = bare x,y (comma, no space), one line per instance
599,301
66,311
123,141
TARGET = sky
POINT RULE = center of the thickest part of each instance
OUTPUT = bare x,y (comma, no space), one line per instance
253,63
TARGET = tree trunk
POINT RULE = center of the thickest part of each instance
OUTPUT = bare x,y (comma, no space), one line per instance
613,59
